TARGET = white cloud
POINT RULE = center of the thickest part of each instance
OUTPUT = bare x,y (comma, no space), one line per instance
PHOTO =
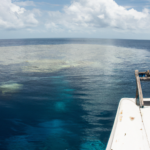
14,17
81,16
100,14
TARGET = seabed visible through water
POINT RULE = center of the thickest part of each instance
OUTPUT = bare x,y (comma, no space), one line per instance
64,96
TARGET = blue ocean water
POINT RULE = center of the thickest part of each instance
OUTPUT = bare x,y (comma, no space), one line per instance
63,94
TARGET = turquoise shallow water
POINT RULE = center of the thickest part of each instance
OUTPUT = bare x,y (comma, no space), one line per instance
62,94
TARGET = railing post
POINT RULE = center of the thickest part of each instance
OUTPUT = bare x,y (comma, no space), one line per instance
136,97
139,89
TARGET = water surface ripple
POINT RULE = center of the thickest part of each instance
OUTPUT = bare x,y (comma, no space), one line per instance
64,96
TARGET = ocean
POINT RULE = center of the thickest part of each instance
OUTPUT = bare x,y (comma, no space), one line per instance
63,94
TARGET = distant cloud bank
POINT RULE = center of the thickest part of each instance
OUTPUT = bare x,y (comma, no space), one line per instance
81,14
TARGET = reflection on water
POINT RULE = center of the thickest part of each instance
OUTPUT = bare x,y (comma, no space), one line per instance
64,96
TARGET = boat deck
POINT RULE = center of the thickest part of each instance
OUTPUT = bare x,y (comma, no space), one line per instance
131,130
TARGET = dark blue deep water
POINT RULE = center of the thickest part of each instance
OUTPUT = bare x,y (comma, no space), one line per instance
63,94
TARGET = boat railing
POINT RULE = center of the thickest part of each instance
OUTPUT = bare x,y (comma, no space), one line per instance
141,76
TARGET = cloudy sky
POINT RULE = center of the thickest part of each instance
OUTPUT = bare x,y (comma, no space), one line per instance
128,19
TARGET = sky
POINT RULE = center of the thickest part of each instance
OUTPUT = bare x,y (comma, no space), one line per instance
113,19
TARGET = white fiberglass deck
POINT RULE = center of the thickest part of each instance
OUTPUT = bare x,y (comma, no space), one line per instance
131,130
